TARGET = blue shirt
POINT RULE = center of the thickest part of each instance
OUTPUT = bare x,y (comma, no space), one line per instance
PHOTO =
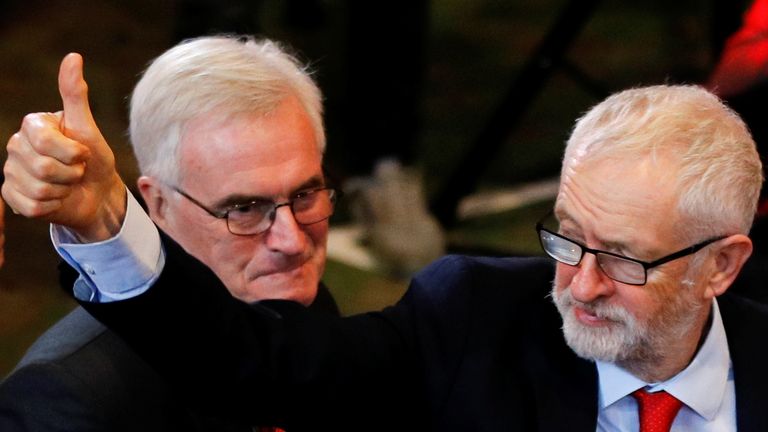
118,268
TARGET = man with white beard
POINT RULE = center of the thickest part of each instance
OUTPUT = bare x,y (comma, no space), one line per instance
658,191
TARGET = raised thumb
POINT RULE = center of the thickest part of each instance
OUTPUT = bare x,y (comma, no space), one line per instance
77,121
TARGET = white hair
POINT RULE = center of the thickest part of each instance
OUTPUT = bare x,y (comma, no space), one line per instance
720,173
217,76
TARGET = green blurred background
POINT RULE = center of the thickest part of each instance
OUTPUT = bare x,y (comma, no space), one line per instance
472,53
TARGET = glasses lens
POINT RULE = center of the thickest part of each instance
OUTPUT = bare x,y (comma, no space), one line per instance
251,218
622,270
313,206
560,248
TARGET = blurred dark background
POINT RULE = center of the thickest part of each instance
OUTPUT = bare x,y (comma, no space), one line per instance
477,94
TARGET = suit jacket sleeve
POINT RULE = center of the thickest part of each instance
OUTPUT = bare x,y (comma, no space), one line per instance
45,398
269,362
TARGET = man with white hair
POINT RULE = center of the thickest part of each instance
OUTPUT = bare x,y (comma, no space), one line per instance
658,190
222,127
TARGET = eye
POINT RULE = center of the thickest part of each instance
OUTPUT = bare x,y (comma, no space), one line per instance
305,194
308,199
253,208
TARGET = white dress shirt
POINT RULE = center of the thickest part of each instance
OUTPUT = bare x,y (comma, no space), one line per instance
705,387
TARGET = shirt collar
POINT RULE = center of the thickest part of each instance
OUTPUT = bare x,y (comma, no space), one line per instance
701,385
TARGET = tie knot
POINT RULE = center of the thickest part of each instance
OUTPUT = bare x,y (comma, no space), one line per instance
657,410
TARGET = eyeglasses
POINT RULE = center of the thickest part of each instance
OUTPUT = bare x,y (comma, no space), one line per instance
617,267
257,216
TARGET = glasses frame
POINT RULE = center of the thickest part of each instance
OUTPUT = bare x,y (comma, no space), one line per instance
333,195
647,265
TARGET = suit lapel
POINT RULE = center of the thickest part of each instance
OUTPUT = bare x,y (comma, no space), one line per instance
746,327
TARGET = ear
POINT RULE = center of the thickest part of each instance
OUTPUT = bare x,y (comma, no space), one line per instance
154,197
731,254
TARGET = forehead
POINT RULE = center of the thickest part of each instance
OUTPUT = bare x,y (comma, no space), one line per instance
624,201
265,153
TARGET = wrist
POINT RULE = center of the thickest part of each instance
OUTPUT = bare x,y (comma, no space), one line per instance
109,217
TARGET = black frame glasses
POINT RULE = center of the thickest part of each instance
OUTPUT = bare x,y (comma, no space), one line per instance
256,217
620,268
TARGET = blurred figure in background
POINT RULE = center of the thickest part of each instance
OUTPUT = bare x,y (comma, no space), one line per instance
743,63
741,74
740,77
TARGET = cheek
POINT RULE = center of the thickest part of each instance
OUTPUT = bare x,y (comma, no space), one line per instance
233,261
234,252
318,239
642,303
216,247
318,235
564,275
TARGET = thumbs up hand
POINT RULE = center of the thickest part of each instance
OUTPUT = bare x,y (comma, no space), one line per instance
61,170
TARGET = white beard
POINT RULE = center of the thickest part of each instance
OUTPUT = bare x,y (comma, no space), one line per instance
631,343
609,343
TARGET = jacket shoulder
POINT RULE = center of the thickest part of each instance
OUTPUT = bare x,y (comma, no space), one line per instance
518,276
64,338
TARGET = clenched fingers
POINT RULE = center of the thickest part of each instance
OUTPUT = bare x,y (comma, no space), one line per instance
42,188
23,158
27,206
43,132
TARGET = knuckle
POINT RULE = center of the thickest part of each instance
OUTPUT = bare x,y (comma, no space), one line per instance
43,191
46,139
9,174
35,210
14,143
31,121
28,120
44,168
40,132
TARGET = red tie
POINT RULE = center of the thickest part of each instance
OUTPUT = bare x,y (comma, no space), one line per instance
657,410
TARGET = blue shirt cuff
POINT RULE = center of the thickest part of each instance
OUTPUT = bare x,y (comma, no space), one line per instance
118,268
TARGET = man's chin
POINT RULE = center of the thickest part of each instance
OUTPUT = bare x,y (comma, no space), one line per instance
604,342
294,286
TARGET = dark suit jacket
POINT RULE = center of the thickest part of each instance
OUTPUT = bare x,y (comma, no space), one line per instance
474,345
79,376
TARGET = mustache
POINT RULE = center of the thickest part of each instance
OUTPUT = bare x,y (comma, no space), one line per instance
599,308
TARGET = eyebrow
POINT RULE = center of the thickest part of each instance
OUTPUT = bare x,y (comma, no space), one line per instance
235,199
608,246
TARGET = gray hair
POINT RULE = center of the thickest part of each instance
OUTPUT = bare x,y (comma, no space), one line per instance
218,76
720,173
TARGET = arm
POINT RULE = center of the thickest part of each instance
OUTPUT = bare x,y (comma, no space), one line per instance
272,363
45,398
275,362
61,170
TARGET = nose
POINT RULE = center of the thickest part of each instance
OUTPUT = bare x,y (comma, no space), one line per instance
286,235
590,282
